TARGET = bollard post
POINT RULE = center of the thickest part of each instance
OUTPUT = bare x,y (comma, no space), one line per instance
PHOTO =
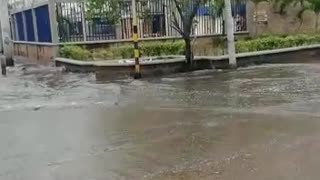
137,73
3,65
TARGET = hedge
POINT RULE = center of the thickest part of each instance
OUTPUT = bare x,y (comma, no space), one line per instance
124,51
75,52
265,42
276,42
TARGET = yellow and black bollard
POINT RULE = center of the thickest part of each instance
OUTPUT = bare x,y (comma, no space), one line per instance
137,73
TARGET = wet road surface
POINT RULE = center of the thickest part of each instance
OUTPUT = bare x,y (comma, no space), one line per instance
259,122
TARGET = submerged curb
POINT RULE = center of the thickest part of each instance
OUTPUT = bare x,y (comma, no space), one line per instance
172,64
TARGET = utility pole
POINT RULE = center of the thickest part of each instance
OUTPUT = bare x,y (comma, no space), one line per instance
230,34
137,73
5,31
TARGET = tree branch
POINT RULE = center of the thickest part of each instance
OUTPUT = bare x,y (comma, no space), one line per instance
175,22
178,7
176,26
187,10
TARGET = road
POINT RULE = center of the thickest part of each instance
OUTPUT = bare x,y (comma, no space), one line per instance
255,123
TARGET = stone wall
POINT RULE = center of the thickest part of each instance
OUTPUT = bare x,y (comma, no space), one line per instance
280,24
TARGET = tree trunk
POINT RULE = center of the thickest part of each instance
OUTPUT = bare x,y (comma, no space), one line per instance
317,22
230,34
189,54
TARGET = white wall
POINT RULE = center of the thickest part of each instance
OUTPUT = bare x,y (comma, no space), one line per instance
19,4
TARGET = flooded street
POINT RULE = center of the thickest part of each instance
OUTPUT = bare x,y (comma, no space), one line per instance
255,123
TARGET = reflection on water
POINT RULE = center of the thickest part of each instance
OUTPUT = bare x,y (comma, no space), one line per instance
253,122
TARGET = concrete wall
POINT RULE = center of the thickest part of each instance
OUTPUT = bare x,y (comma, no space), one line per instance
120,71
280,24
104,73
21,4
35,53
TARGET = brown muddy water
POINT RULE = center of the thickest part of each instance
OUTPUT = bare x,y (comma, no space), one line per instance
255,123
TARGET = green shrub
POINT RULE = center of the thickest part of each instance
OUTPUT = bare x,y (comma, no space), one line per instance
102,54
175,48
75,52
146,49
269,42
151,49
158,48
124,52
162,48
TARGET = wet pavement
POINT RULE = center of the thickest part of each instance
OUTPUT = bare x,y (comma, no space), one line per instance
258,122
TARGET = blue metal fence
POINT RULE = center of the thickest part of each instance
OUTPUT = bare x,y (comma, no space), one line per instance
29,25
20,27
23,25
43,24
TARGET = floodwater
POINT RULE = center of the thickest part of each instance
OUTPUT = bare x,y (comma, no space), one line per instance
255,123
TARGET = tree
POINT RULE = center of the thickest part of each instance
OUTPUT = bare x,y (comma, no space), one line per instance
306,5
187,10
108,8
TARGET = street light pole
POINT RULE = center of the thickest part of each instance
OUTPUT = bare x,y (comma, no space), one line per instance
230,34
137,73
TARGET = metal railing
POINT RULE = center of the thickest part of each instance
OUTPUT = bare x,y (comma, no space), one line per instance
68,21
79,21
